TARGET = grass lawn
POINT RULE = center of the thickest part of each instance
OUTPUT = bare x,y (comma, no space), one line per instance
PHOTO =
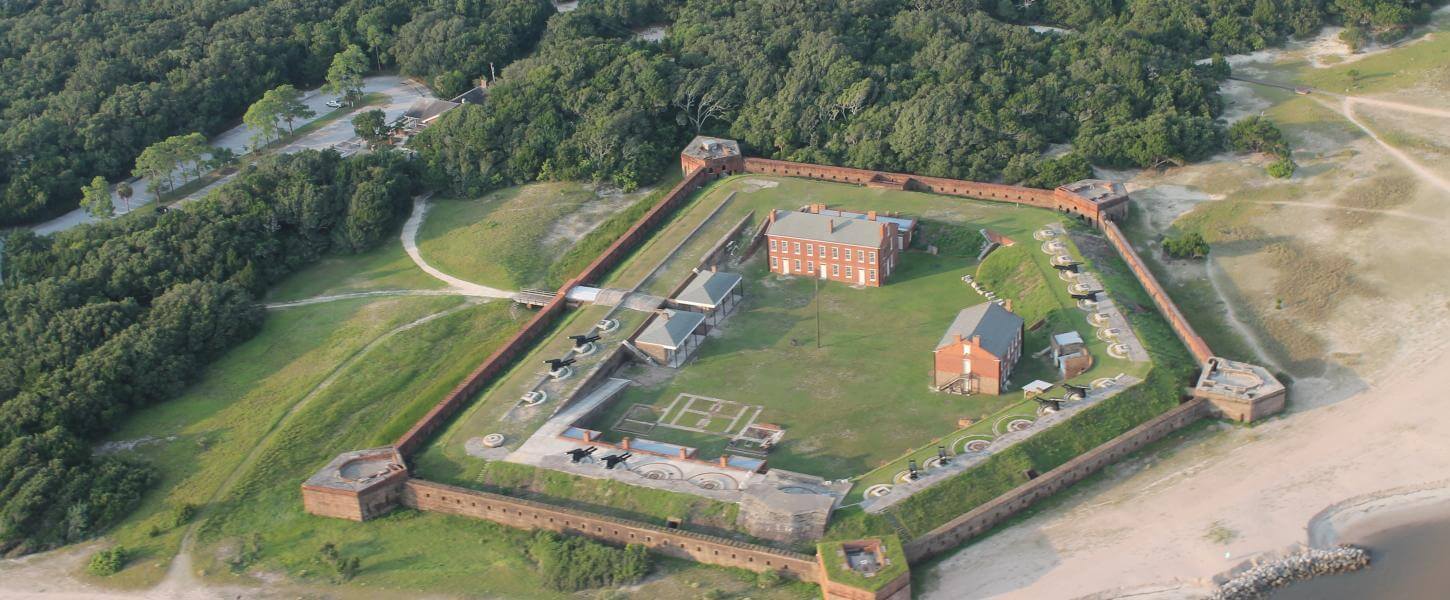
386,267
510,238
197,440
864,397
368,405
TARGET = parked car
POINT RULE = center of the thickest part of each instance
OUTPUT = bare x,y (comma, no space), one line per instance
334,104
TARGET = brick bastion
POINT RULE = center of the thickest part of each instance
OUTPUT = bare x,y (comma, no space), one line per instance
364,484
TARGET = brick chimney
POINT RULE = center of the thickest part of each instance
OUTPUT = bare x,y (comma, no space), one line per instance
724,461
771,217
624,443
832,228
665,316
1007,304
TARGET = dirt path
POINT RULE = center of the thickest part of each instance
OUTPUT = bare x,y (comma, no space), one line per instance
1401,106
1346,108
351,295
1248,334
410,245
180,580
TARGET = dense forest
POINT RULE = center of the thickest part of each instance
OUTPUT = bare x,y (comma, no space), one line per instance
955,88
102,319
89,85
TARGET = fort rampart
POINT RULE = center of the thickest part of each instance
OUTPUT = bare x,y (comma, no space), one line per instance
526,514
982,518
544,319
1095,208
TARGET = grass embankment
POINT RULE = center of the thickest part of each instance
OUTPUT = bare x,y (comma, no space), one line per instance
197,440
527,236
386,267
602,496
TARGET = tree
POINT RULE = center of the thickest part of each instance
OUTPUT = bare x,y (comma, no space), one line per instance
160,161
292,106
345,76
372,127
124,191
96,198
1283,168
1257,134
263,117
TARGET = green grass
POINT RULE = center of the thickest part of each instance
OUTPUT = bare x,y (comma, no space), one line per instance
508,238
201,437
1423,60
839,572
386,267
602,496
847,410
367,406
999,473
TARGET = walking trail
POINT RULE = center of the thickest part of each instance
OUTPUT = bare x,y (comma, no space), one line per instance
1346,108
410,245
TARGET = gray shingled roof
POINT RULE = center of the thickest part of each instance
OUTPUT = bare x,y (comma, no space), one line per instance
996,325
708,289
902,223
823,228
672,332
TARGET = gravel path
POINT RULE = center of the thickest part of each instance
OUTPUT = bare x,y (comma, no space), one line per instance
410,245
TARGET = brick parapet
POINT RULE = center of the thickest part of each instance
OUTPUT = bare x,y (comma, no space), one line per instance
982,518
1035,197
1196,346
679,543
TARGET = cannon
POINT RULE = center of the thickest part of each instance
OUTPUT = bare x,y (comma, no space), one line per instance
614,459
578,454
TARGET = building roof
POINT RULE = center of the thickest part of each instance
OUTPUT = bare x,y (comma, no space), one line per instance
902,223
708,289
706,147
825,228
358,470
476,95
670,332
425,110
1096,190
1067,339
996,326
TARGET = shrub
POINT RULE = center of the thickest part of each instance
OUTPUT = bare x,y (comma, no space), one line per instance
767,579
107,562
1257,134
1189,245
1282,168
570,564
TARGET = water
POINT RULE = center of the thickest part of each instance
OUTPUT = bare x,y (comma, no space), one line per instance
1408,563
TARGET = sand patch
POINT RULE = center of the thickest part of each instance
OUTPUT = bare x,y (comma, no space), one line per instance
747,186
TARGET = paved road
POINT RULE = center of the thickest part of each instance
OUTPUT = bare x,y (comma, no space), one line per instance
401,93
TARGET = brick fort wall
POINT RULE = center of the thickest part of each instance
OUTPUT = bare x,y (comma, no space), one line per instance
678,543
986,516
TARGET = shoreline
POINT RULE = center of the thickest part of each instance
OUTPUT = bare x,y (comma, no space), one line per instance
1352,520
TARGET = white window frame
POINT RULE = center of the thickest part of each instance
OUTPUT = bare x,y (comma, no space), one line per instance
774,263
835,270
848,272
810,249
810,266
873,258
835,252
772,245
797,246
797,265
848,254
871,274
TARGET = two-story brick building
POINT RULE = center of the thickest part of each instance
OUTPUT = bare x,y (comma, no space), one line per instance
978,351
860,251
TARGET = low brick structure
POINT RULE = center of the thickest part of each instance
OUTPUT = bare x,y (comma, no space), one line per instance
356,485
712,156
865,569
1240,391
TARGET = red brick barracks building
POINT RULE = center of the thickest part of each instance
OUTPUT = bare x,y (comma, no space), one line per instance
978,351
850,247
